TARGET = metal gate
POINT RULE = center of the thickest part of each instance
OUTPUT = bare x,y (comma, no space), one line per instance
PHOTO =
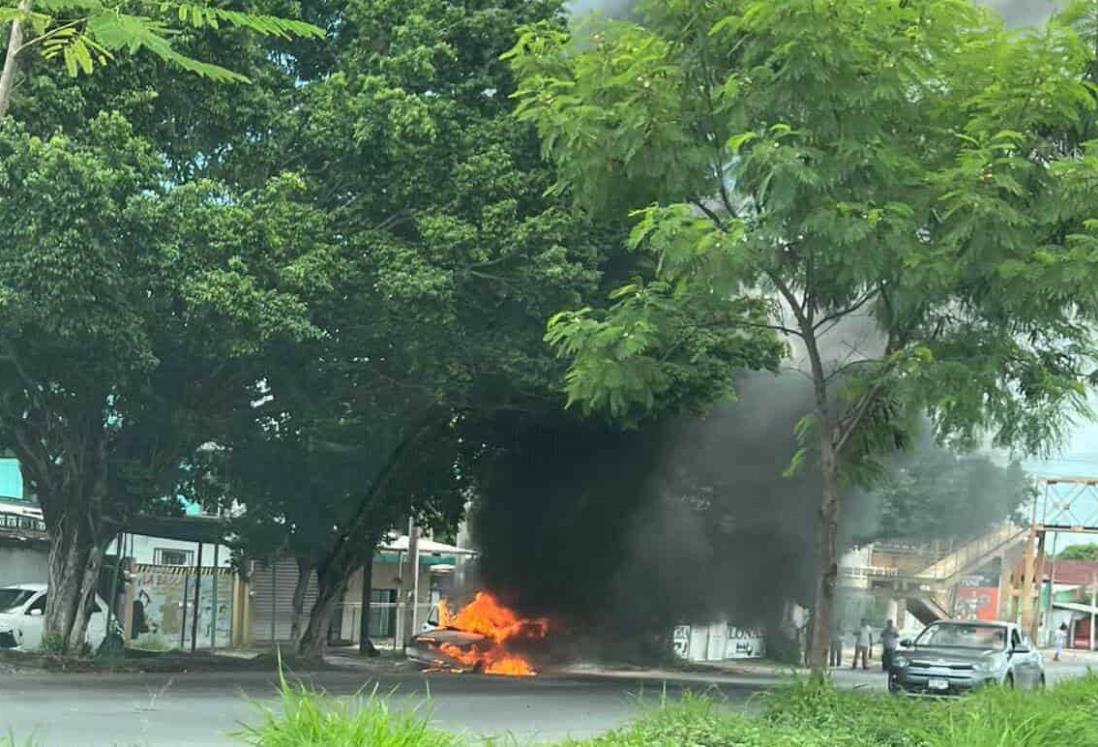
272,591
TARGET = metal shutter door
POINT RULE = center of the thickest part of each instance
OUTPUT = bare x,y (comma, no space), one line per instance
272,591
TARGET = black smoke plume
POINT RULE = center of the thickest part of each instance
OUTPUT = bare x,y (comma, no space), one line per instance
621,535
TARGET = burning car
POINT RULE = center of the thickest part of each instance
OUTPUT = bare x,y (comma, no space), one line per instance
481,637
449,649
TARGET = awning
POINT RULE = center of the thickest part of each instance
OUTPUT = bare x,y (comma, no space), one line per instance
1086,609
207,529
426,547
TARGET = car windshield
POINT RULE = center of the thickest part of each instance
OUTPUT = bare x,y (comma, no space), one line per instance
10,599
963,636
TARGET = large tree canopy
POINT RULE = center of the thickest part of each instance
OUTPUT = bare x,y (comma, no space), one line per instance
906,166
131,313
450,259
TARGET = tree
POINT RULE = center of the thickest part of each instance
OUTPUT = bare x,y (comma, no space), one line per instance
302,460
85,34
131,312
1079,552
902,184
449,260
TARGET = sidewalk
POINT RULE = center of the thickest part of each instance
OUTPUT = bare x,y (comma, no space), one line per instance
746,672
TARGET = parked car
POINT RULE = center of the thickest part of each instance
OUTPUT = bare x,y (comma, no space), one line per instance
21,609
955,657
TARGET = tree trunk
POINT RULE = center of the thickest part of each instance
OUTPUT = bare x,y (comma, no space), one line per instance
73,574
359,537
297,602
827,522
331,583
827,558
365,645
11,60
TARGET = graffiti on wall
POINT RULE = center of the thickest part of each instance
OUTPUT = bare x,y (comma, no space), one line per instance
717,642
745,644
162,611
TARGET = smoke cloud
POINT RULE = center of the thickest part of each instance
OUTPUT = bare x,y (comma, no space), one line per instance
613,8
1014,12
620,536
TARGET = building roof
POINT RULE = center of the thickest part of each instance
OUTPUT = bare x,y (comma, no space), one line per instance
426,547
1072,572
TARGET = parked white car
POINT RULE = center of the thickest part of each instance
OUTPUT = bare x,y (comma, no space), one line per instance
21,609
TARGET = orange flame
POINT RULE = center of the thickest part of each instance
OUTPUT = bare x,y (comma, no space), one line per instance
488,617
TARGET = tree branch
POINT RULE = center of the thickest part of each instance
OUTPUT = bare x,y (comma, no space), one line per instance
710,213
791,299
869,296
851,423
11,59
773,327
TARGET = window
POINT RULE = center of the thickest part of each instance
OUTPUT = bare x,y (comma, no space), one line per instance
963,635
382,612
10,599
166,556
38,604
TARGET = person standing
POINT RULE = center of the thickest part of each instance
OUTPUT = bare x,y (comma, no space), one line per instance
1061,640
835,658
890,641
863,642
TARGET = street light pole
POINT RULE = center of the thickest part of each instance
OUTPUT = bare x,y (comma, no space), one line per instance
1093,599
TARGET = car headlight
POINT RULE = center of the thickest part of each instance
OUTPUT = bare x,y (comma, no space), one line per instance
901,661
984,667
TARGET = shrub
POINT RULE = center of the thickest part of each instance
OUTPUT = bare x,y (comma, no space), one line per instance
805,715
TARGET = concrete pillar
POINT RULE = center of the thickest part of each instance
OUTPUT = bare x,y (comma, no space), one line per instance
893,610
901,613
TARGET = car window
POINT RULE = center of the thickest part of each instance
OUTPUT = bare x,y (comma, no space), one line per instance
39,604
13,599
960,635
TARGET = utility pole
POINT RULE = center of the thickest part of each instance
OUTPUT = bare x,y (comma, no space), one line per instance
410,602
413,556
1093,600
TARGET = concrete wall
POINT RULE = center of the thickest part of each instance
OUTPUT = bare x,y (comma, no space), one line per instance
143,550
23,563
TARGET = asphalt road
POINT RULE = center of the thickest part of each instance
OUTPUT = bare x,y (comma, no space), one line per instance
205,708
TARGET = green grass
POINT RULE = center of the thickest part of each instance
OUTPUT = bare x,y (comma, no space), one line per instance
306,719
801,716
819,716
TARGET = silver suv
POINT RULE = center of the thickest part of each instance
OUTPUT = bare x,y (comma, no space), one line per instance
953,657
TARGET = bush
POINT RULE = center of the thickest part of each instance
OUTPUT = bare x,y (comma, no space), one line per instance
809,715
805,715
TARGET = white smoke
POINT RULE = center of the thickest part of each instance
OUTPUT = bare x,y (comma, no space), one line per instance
612,8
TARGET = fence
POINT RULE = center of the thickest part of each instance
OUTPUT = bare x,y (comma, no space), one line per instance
387,620
21,521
